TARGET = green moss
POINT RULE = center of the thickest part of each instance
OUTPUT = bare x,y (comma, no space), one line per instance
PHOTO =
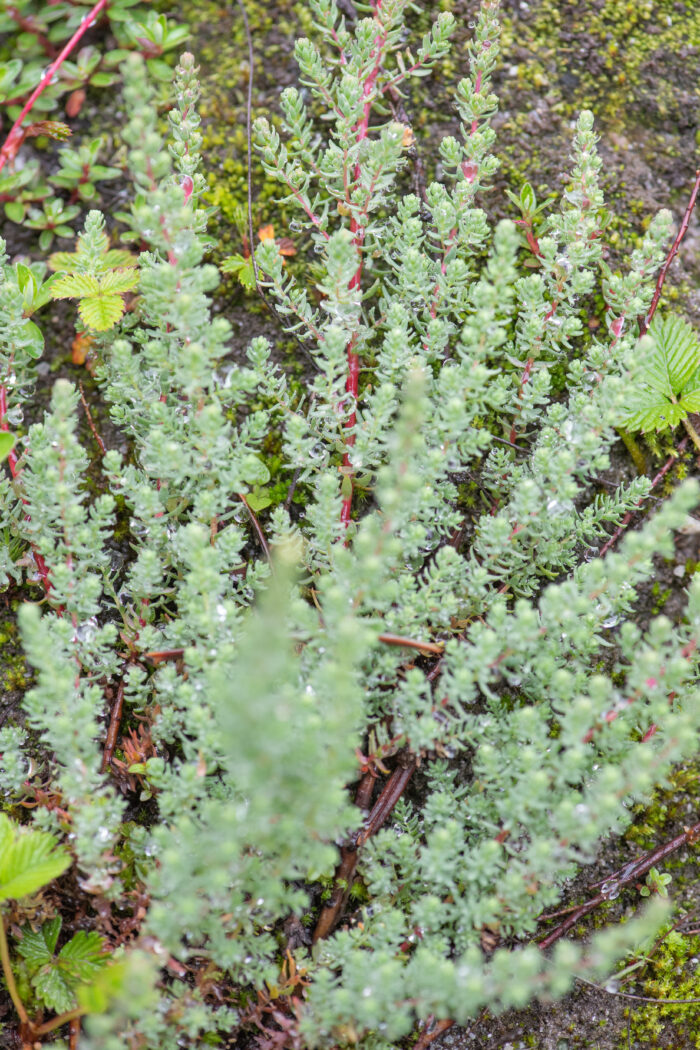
14,674
671,971
668,808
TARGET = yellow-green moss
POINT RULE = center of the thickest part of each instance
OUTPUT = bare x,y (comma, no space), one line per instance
671,972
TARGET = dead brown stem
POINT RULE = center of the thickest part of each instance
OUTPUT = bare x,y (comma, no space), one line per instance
410,643
114,723
630,514
429,1037
345,872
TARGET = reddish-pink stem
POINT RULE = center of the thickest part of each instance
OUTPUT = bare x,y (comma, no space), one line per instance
523,382
353,379
655,481
16,135
12,464
671,255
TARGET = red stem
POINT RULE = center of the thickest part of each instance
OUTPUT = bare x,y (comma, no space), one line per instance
628,873
12,464
523,381
671,255
628,517
353,378
14,139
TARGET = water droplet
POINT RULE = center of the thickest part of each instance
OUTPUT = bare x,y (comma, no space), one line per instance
610,889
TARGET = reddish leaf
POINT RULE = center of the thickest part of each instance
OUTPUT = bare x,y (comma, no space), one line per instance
75,102
286,246
55,129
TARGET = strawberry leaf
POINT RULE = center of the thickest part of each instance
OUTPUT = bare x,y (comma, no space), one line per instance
74,286
118,281
101,312
28,860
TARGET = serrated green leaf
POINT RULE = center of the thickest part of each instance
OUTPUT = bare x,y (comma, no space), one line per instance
101,312
53,990
259,500
51,930
29,862
7,443
674,357
6,834
241,268
690,396
119,281
34,948
83,955
118,257
657,414
63,261
75,286
232,264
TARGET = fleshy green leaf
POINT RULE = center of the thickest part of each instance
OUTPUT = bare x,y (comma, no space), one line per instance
7,443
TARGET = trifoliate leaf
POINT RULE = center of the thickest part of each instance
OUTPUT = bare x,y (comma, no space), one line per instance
55,978
241,268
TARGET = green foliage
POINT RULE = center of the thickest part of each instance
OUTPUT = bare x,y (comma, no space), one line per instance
97,276
254,656
7,443
667,382
56,977
656,882
241,268
32,33
28,860
79,170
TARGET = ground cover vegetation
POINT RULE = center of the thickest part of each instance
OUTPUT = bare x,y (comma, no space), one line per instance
310,764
